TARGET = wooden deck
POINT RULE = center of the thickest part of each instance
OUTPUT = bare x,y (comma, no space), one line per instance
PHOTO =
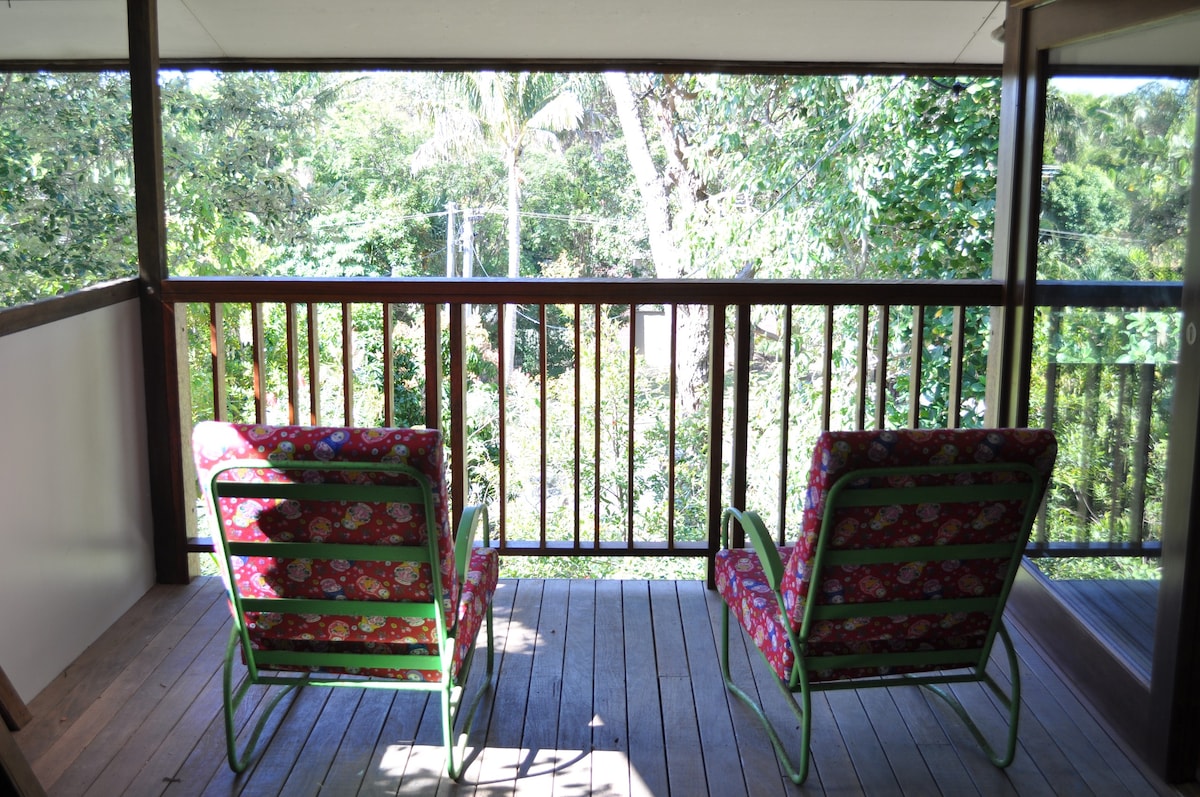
603,687
1119,612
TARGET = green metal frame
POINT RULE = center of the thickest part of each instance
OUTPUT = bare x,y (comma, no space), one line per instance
799,689
451,691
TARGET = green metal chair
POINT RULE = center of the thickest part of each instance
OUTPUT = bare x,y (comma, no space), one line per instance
909,545
336,550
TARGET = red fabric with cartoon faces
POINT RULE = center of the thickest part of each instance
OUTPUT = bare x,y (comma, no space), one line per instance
743,585
838,453
250,519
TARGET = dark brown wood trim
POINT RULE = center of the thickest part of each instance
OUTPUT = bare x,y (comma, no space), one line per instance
164,418
1172,71
13,710
716,425
457,439
1175,728
57,308
1156,295
664,65
1018,203
16,776
434,290
743,352
1066,21
1110,684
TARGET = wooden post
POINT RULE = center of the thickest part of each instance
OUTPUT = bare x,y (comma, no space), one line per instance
14,711
159,351
18,777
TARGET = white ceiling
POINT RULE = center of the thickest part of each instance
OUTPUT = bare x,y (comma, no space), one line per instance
863,31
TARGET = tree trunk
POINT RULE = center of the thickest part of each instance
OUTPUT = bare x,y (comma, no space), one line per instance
650,184
692,369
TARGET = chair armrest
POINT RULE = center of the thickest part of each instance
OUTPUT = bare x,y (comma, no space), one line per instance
759,539
472,518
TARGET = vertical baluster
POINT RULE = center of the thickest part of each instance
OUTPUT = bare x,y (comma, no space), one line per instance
1051,403
629,433
389,378
457,437
743,350
347,364
785,419
314,365
916,361
433,364
502,432
1086,497
596,422
716,433
827,366
881,364
957,344
1117,445
216,346
543,424
672,419
258,348
578,417
293,363
860,398
1141,452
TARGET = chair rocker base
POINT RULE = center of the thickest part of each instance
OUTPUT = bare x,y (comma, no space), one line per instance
451,705
800,703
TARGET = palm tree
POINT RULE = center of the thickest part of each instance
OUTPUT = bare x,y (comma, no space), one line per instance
511,110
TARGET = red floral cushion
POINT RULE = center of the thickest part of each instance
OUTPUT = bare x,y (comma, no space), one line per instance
250,519
741,582
838,453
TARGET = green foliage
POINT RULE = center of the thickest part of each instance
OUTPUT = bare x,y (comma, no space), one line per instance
1115,199
1123,568
66,183
835,177
1114,207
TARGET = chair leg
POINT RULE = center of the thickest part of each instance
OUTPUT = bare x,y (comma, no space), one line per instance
797,773
1010,699
238,762
452,705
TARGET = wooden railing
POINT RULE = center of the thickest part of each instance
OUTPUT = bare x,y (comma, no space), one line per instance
630,427
1115,421
615,425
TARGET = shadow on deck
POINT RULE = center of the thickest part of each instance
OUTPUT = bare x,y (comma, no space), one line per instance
602,688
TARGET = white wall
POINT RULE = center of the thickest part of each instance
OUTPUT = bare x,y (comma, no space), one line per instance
76,548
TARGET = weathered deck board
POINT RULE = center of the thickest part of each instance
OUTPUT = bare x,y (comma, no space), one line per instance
606,688
1121,612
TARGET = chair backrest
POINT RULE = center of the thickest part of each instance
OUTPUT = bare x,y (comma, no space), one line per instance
331,534
909,545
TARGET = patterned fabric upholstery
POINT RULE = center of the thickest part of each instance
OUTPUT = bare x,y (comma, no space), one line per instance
252,519
741,582
743,585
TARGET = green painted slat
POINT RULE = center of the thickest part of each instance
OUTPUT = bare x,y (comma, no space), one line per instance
377,493
925,553
324,550
339,608
288,658
956,494
843,611
917,659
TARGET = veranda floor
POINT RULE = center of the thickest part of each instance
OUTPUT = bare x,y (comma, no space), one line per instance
602,687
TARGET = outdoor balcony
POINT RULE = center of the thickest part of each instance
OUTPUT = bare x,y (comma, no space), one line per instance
139,712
